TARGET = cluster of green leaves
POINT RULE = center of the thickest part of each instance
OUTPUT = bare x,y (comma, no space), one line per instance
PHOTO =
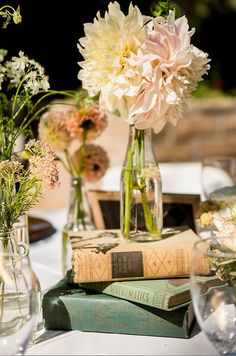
162,8
16,200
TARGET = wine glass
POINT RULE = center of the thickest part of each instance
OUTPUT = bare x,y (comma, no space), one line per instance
213,290
217,172
18,306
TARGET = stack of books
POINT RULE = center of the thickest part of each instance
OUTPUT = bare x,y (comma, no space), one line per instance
125,287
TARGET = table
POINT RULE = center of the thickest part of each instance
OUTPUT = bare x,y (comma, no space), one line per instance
45,256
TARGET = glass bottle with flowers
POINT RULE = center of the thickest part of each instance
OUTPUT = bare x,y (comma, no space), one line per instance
144,68
66,125
41,173
24,88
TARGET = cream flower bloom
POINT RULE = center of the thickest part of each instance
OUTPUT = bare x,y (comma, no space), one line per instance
110,49
53,127
145,69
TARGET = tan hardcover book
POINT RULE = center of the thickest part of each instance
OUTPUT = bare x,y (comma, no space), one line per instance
104,255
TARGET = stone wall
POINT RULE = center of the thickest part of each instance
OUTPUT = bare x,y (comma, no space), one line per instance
207,128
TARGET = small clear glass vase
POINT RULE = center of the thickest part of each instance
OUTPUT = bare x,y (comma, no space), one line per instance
141,214
78,219
18,307
21,232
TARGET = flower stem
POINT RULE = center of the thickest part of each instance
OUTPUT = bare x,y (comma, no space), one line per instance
128,192
150,224
135,181
79,195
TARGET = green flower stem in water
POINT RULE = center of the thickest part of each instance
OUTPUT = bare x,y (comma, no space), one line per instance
151,225
131,183
128,191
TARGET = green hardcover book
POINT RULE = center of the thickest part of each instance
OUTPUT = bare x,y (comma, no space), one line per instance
166,294
66,307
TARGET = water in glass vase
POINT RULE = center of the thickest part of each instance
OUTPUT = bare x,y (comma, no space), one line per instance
19,305
141,215
79,218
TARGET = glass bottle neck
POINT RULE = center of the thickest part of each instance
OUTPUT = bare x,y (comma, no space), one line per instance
7,242
140,148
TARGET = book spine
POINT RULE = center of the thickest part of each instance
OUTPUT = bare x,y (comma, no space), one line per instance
153,298
112,315
89,266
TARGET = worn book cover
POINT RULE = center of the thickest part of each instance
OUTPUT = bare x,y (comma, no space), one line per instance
166,294
104,255
68,308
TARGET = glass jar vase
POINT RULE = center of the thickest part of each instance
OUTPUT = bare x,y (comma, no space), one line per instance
78,219
21,234
141,214
8,243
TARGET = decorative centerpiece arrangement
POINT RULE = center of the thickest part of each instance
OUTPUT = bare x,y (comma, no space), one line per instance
26,170
144,69
22,187
23,86
65,125
217,218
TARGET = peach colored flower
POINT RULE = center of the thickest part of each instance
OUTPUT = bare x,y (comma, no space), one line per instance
43,166
173,68
45,169
53,126
95,163
87,123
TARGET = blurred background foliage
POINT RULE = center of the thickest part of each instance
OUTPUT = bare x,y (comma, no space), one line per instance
50,30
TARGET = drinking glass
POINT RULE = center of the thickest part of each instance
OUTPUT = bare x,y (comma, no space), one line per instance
18,306
213,290
217,172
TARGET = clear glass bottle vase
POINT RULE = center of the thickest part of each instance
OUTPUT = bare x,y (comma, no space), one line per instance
78,219
141,214
16,241
21,234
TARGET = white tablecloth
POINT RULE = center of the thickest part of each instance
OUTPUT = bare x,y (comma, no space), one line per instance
46,261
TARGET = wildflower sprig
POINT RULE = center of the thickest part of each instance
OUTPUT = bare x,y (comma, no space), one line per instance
8,12
24,87
22,187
